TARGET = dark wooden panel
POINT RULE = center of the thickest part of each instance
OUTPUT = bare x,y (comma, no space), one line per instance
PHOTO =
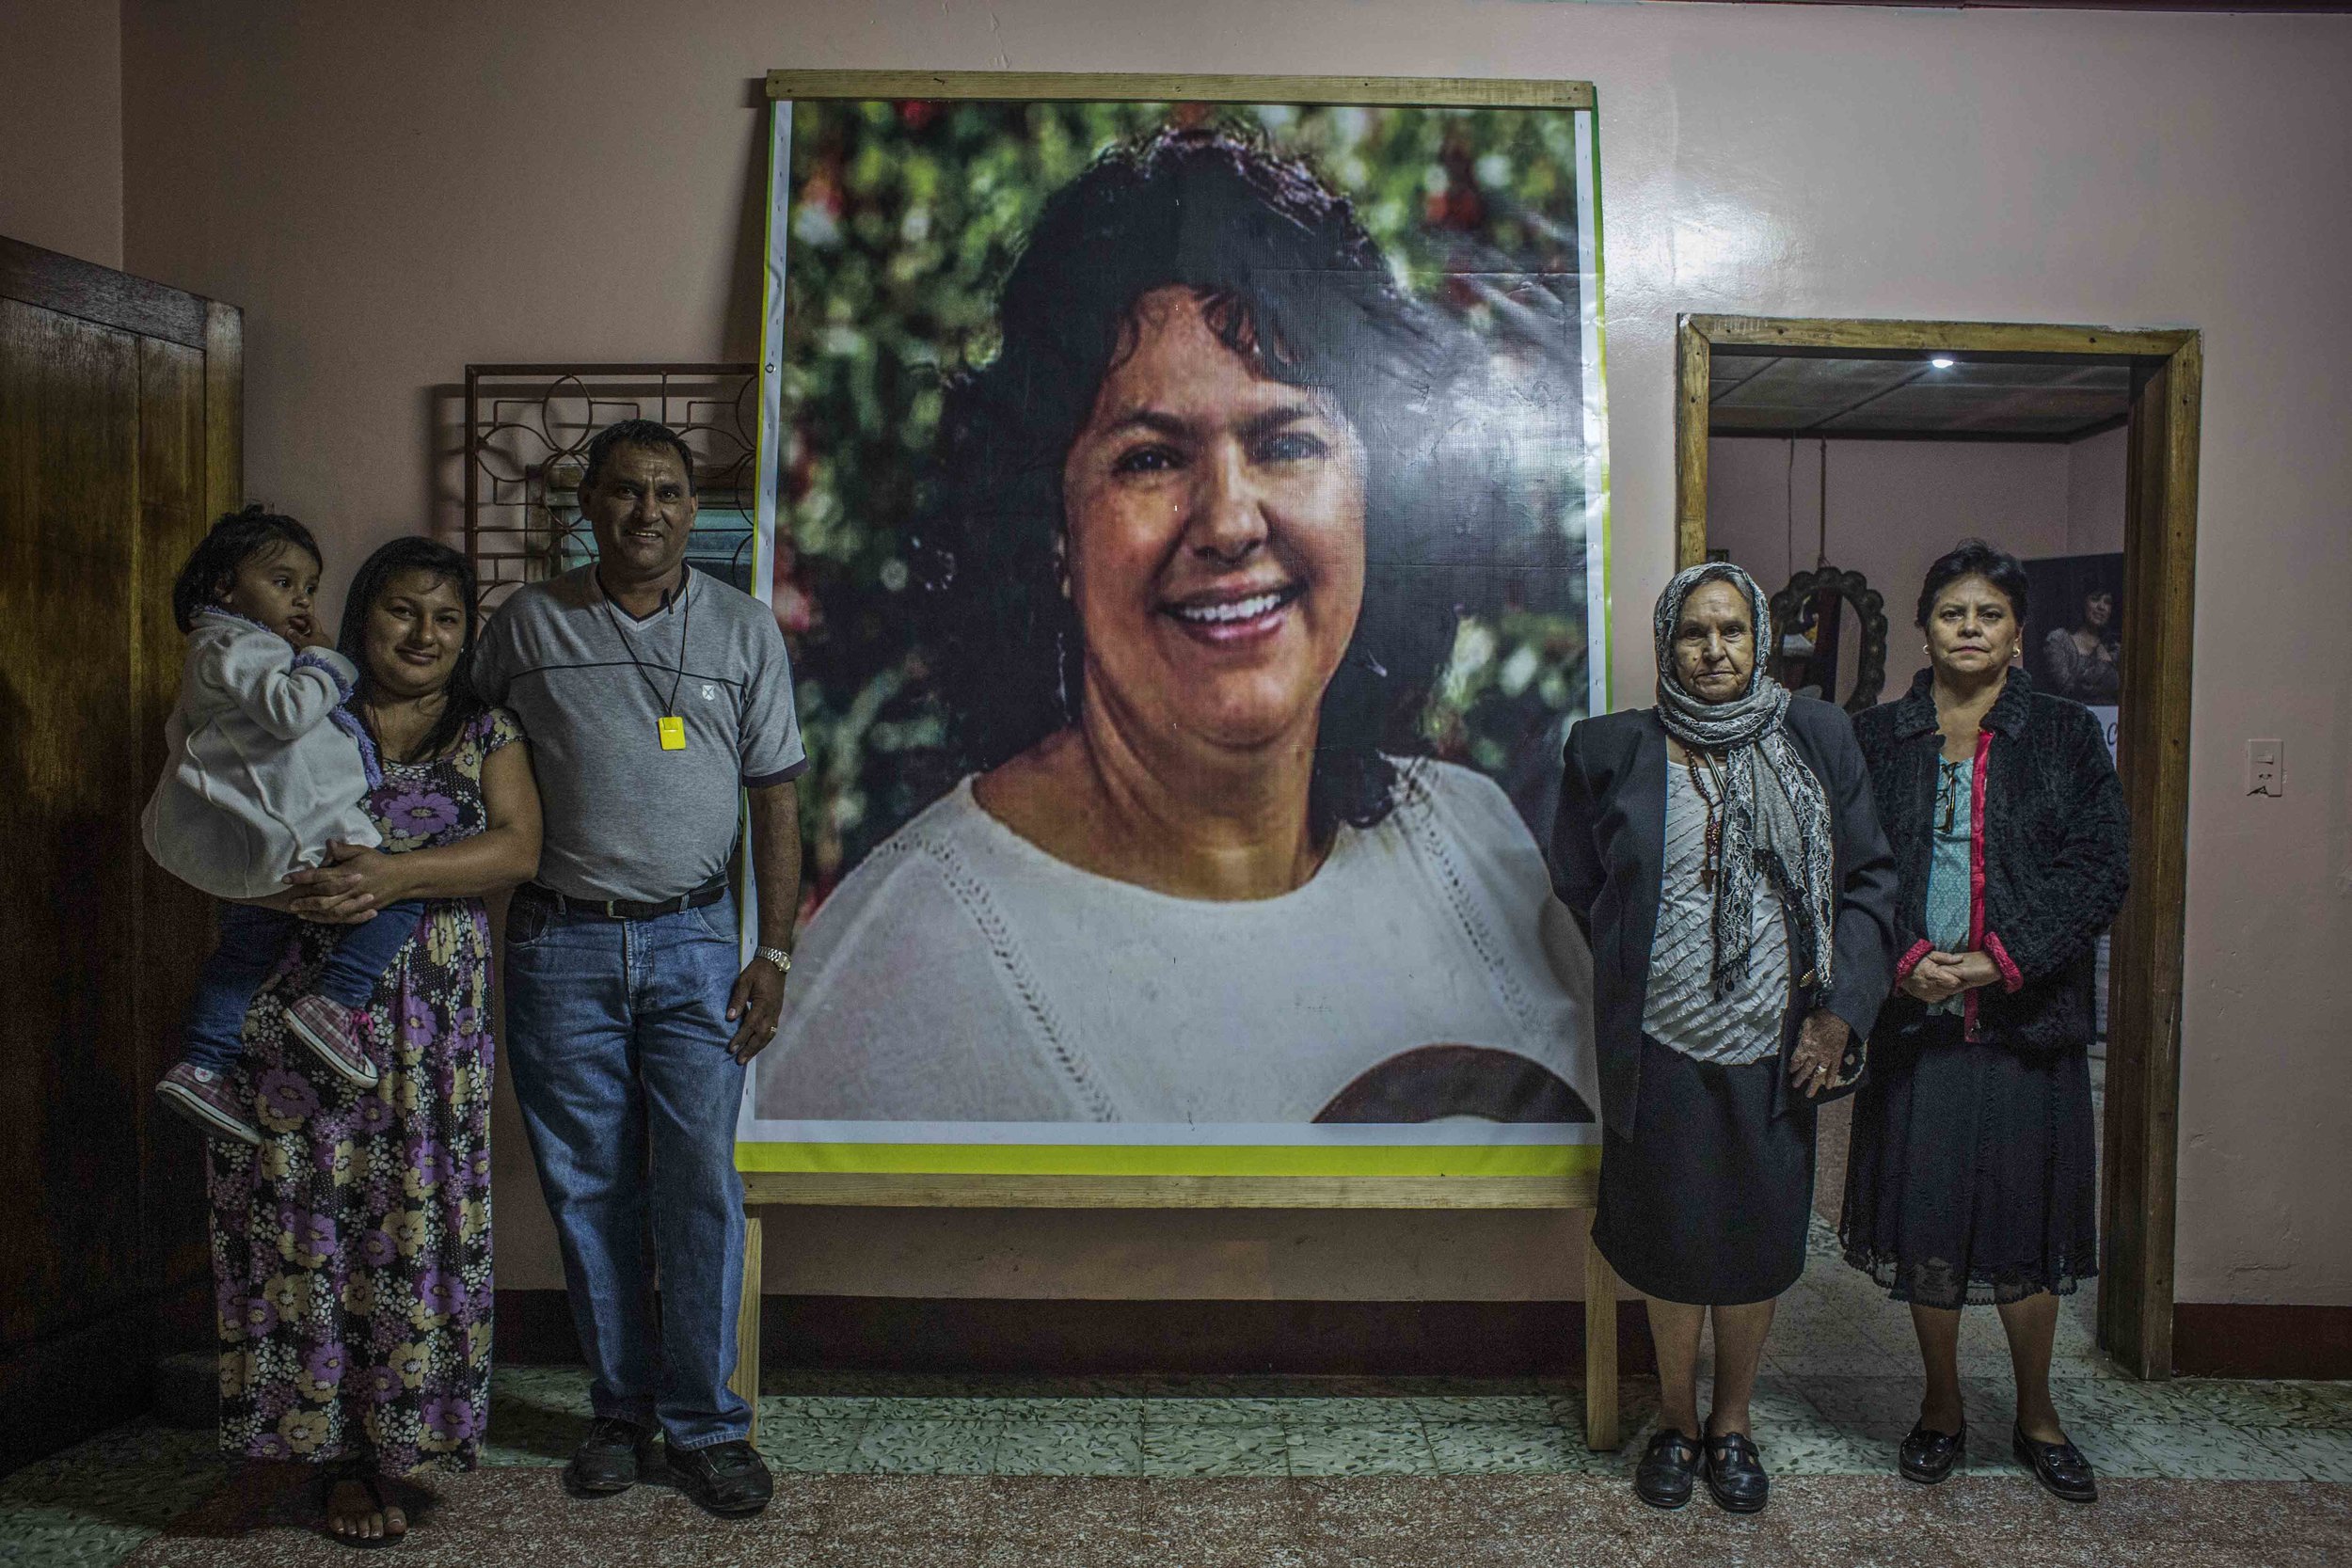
99,295
175,921
1397,1338
2261,1339
69,1056
116,448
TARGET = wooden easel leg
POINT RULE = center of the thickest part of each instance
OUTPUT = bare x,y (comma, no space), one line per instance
1601,1352
746,1379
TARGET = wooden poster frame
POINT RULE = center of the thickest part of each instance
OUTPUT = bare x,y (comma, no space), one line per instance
2140,1157
998,1191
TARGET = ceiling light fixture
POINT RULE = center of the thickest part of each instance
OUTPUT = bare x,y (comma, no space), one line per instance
1942,362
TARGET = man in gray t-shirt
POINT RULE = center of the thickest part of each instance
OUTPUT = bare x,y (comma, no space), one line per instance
658,701
629,817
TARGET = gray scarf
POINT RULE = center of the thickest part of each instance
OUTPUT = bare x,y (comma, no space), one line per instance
1774,814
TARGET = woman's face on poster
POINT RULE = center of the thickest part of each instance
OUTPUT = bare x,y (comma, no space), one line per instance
2098,610
1215,552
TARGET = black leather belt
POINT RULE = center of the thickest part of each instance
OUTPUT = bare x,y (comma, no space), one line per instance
621,908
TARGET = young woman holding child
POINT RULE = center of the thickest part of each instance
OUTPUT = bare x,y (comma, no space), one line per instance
268,767
351,1242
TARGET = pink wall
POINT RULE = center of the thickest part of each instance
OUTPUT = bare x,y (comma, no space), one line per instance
1894,506
2094,495
391,191
61,126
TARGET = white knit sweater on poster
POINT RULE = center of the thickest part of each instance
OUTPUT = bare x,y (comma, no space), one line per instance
962,973
257,778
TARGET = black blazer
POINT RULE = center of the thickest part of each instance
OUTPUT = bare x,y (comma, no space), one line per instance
1608,853
2055,844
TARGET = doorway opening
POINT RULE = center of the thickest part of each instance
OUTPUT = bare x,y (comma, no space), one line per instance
1834,459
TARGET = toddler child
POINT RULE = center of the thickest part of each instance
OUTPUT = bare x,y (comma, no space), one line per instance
266,767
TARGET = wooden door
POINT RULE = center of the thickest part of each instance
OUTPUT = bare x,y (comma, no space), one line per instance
120,441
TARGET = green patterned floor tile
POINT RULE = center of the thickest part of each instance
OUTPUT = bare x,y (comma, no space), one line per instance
1214,1448
2204,1451
925,1447
1533,1409
2264,1404
1511,1447
2323,1453
1362,1448
1068,1449
1107,1411
84,1545
1217,1411
810,1446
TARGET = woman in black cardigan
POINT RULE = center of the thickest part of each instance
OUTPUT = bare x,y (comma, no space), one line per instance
1723,855
1971,1178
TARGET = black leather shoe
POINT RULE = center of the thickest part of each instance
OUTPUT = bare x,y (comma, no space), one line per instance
613,1458
1735,1474
1927,1457
1668,1467
2058,1467
726,1479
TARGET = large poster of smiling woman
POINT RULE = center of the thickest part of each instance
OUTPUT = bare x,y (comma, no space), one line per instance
1188,522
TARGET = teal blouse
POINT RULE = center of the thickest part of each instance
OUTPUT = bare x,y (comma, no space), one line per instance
1947,868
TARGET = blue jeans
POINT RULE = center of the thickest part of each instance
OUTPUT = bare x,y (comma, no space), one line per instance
252,941
617,1037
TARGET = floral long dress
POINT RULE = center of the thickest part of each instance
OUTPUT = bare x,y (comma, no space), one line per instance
351,1251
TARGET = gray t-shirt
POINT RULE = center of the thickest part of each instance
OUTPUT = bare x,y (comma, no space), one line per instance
626,818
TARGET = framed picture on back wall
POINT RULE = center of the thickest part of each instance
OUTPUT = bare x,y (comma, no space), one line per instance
1187,501
2075,641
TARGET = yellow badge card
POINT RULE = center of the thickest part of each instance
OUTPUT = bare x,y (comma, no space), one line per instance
673,734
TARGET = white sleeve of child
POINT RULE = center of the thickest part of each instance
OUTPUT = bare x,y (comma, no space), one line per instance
288,694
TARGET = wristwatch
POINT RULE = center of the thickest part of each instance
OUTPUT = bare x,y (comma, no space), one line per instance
777,955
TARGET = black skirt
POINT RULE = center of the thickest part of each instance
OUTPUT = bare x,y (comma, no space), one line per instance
1973,1177
1707,1203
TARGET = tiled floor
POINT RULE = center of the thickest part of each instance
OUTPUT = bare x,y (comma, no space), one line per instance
1840,1387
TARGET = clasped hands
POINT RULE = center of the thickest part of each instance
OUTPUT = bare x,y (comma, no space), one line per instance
1940,976
355,882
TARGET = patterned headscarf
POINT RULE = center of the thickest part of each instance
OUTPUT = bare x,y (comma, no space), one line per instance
1775,813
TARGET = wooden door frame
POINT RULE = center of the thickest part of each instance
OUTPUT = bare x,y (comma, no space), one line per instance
2140,1159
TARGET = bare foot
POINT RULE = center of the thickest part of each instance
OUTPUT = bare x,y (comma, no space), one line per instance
352,1512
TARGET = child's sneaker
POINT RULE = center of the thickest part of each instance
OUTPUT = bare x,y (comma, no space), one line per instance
205,1098
331,1030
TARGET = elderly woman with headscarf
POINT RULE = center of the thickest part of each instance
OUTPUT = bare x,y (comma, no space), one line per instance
1722,852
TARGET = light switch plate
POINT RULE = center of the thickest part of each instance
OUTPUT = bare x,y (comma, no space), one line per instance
2267,767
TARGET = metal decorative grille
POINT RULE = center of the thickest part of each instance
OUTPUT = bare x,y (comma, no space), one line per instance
527,433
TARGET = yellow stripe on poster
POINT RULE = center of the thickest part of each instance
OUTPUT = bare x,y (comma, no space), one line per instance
1172,1159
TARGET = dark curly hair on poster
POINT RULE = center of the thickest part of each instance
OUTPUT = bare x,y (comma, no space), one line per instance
1291,282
